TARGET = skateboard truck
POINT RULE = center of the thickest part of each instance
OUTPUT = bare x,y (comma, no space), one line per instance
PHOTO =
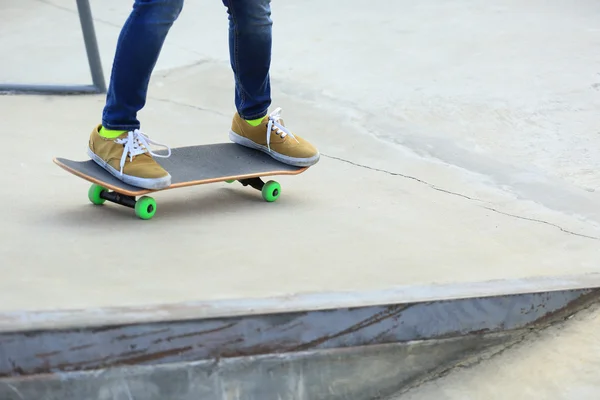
145,207
270,190
114,197
256,183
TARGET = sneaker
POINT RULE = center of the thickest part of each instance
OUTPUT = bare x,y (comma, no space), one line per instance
272,137
129,158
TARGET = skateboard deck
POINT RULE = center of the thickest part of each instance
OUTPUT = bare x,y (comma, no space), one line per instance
188,166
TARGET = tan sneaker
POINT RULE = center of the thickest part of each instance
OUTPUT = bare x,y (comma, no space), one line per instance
129,159
272,137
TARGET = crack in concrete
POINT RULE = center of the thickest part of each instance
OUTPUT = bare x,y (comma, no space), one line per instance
543,222
432,186
521,336
470,362
15,390
107,23
182,104
76,12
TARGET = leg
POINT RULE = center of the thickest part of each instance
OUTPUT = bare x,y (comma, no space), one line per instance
117,145
138,48
250,39
250,31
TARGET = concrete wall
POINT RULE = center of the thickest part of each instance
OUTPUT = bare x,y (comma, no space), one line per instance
343,353
355,373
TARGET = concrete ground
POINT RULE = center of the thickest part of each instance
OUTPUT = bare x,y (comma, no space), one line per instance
460,144
560,363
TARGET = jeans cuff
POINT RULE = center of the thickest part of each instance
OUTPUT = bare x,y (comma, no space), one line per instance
117,127
253,116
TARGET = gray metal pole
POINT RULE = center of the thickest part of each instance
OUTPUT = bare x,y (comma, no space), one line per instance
91,44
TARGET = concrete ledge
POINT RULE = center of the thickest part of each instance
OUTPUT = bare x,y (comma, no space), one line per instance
88,348
355,373
22,321
353,352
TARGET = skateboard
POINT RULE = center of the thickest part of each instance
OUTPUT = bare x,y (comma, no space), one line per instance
188,166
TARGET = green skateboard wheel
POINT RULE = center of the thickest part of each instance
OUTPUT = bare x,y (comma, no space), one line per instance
145,207
271,191
94,194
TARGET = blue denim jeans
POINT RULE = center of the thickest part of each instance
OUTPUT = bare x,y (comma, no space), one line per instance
142,38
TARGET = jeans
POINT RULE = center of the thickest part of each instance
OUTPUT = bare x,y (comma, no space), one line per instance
142,38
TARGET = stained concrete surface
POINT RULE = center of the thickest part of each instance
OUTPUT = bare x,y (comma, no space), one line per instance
460,144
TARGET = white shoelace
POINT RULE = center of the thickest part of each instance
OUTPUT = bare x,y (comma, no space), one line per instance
275,125
137,143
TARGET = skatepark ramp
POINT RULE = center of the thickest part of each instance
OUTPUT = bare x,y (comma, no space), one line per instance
312,346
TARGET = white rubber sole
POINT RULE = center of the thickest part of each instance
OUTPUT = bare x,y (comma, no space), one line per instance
145,183
297,162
